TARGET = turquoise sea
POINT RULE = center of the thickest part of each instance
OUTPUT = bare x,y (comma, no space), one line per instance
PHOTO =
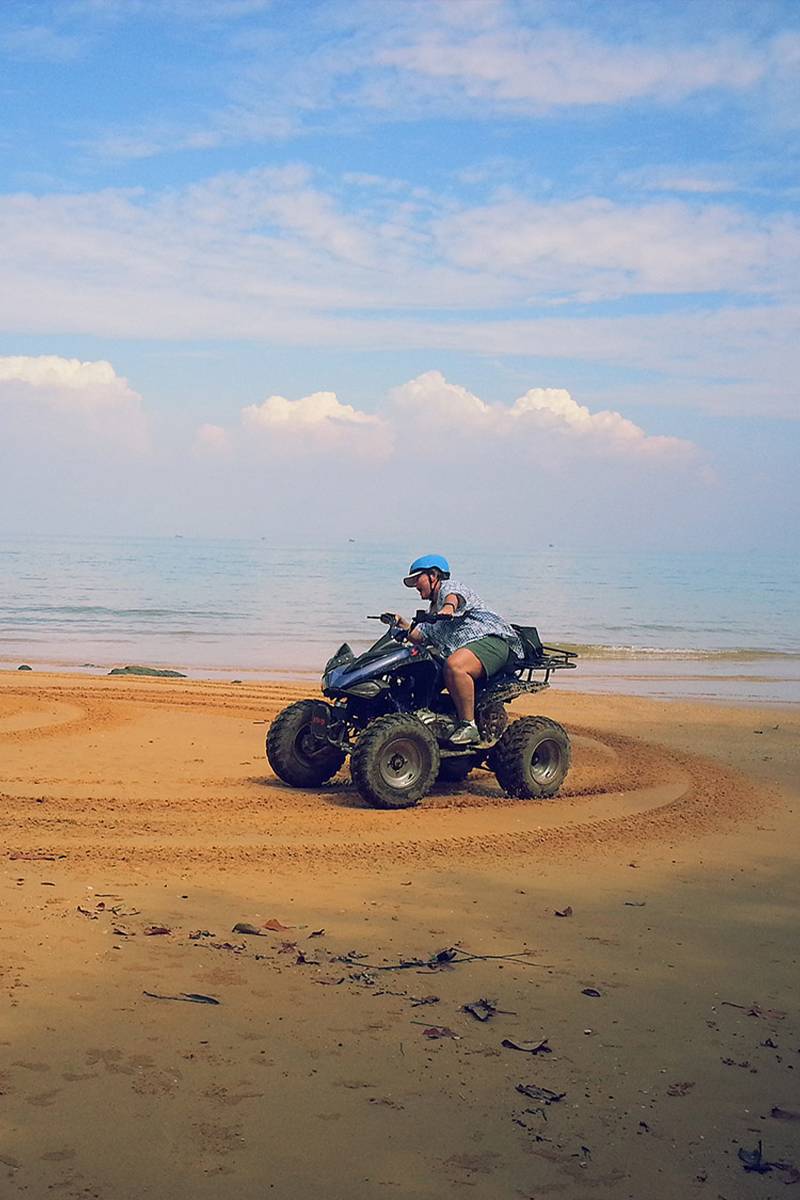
715,625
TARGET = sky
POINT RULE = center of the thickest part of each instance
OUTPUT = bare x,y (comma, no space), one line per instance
509,271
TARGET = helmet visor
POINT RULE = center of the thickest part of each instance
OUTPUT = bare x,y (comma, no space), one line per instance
411,580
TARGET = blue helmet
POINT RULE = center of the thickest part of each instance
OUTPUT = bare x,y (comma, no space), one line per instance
425,563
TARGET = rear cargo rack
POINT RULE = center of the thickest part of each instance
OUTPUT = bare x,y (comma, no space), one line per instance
537,657
551,658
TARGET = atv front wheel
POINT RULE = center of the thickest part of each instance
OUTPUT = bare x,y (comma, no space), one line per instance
395,761
295,753
532,758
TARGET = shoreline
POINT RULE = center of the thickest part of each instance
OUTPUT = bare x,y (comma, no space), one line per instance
589,652
716,677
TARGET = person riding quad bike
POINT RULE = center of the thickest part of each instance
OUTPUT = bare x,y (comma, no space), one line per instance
427,702
477,642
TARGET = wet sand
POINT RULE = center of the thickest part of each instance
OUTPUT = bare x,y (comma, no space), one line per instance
132,805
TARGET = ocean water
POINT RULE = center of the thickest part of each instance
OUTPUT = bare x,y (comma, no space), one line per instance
724,625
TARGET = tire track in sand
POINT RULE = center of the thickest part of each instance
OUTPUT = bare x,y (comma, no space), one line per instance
148,775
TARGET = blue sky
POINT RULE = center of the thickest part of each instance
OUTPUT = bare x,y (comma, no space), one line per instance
504,264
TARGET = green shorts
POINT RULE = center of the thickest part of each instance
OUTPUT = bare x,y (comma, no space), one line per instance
492,651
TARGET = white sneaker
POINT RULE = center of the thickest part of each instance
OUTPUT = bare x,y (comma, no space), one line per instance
464,734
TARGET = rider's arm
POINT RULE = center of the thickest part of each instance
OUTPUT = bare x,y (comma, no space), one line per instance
416,635
448,609
452,604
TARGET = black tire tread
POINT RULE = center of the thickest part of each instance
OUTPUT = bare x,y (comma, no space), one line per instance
508,758
492,719
362,761
282,753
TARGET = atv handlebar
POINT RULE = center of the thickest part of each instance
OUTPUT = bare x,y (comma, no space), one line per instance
421,617
398,631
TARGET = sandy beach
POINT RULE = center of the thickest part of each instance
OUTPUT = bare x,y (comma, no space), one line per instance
634,942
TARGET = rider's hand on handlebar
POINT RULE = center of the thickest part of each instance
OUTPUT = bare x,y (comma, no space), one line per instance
423,617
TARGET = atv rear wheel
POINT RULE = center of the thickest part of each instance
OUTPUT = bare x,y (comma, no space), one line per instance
532,758
295,753
492,720
395,761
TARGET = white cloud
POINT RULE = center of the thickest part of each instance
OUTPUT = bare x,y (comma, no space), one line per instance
72,425
315,422
437,416
554,408
457,415
394,61
273,255
131,146
697,181
212,441
432,400
90,381
320,409
184,10
529,69
343,67
265,243
337,66
41,43
78,398
731,361
594,247
270,253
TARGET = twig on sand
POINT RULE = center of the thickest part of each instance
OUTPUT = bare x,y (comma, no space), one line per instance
454,957
190,997
519,956
755,1010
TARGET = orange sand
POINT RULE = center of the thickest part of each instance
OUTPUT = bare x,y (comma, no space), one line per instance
133,803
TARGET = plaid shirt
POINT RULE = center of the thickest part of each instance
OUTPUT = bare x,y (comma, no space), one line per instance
472,620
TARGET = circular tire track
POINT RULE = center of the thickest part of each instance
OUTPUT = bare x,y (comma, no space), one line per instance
181,800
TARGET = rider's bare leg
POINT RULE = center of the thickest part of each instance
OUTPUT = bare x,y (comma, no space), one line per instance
461,671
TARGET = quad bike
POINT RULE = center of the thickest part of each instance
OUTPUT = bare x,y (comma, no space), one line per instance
388,711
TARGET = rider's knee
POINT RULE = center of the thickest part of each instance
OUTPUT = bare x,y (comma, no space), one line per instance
452,669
